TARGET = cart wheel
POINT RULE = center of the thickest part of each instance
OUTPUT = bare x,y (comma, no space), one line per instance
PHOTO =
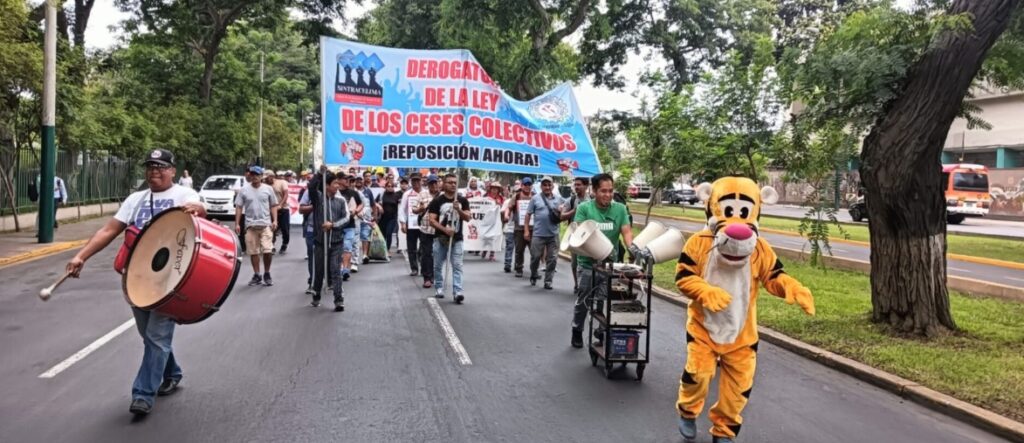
593,357
640,371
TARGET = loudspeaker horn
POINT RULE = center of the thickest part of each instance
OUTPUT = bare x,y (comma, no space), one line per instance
587,240
564,244
652,231
667,246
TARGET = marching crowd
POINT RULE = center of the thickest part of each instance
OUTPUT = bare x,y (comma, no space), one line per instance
350,218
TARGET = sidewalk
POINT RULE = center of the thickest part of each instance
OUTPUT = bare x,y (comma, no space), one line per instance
16,247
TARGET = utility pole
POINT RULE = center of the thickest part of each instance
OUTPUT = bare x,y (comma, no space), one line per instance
49,154
259,157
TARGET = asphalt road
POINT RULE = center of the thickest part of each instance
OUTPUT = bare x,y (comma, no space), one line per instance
268,367
959,268
986,226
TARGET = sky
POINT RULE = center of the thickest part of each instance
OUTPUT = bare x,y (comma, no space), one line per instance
103,32
105,15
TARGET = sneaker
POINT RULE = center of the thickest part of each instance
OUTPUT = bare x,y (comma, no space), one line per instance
168,387
508,270
414,273
366,260
284,248
256,280
140,407
688,428
355,268
459,298
427,283
339,306
345,276
267,281
548,286
439,295
310,292
577,339
519,274
316,302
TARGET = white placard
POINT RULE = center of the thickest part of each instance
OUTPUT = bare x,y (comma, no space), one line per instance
484,230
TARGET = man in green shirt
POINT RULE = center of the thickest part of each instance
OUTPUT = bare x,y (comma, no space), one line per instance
613,221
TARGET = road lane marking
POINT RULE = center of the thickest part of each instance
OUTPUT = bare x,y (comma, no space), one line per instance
957,269
87,350
449,332
1015,278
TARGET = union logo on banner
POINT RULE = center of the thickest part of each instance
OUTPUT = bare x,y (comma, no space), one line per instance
550,110
355,79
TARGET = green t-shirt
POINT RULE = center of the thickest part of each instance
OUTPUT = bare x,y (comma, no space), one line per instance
609,220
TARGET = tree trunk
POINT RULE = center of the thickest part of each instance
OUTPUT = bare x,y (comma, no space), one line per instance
83,8
206,85
900,168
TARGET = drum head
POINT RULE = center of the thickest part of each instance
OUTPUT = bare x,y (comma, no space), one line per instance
161,259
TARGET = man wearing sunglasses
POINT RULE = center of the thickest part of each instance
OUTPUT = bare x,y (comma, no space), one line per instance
159,373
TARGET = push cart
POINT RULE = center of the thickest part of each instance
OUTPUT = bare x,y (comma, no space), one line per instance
623,318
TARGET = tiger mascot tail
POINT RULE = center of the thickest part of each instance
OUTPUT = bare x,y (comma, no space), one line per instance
720,269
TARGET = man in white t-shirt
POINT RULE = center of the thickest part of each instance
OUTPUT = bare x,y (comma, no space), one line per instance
159,373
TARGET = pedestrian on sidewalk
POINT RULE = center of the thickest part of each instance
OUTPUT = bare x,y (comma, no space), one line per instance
60,196
613,221
328,238
543,216
159,373
426,231
447,214
284,213
409,223
259,205
518,214
580,187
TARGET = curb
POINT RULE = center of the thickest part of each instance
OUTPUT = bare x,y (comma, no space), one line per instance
961,257
929,398
41,252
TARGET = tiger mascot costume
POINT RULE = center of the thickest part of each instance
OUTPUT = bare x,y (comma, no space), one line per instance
720,269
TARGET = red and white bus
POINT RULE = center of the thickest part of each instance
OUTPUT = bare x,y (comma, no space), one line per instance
967,191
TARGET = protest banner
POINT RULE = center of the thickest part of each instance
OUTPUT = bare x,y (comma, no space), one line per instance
484,230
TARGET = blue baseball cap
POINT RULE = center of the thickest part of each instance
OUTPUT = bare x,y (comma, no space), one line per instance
432,178
527,181
255,170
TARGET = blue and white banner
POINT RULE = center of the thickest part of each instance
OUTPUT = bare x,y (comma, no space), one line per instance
439,109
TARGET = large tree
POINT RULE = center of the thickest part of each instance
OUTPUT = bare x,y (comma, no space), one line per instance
202,25
900,169
898,78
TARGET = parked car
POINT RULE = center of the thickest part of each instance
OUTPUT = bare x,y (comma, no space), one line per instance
639,190
858,210
218,195
678,196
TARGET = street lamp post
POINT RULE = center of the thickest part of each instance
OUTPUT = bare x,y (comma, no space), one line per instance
49,154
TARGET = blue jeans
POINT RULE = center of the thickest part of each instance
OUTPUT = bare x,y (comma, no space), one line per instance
510,246
158,364
440,256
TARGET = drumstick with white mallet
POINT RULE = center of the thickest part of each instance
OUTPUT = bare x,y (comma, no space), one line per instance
46,292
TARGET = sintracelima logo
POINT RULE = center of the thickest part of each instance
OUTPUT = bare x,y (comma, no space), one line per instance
550,110
355,79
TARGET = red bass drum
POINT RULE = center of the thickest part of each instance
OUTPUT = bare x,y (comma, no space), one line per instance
182,266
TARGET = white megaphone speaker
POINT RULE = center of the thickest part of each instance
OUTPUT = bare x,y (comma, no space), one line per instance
652,231
564,244
588,241
666,247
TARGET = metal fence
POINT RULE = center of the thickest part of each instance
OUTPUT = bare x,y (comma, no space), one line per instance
89,178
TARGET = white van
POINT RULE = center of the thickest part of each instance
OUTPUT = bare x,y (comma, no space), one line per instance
218,195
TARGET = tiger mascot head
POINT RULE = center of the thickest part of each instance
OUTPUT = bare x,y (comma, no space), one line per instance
733,208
